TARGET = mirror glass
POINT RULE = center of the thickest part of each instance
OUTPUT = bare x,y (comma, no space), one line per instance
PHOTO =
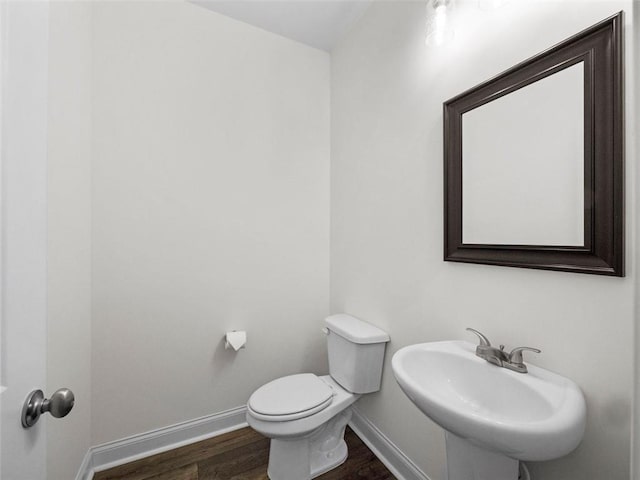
523,165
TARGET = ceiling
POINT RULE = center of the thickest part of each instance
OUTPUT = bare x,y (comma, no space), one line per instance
320,24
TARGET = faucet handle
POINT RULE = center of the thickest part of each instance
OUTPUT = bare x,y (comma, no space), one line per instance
515,356
484,341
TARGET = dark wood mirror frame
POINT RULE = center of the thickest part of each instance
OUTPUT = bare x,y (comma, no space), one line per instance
600,48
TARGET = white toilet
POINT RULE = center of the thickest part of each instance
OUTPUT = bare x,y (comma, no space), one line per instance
305,415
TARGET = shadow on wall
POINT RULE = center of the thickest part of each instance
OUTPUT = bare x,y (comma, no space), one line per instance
222,358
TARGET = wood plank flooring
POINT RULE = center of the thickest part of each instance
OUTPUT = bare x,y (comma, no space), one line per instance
239,455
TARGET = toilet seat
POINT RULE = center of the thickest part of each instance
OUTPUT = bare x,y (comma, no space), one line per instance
290,398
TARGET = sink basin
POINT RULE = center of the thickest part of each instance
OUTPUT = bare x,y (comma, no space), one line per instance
532,416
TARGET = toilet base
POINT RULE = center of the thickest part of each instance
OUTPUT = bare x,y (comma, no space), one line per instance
322,462
311,456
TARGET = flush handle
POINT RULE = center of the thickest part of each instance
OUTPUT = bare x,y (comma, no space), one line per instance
59,405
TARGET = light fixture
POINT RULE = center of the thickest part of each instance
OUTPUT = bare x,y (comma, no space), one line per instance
439,30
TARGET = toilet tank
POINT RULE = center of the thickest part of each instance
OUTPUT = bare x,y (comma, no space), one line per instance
356,353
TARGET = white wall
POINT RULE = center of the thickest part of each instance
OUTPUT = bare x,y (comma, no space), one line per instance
386,232
69,232
210,212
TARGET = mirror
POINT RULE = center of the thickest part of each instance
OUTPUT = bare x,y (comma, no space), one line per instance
528,186
534,161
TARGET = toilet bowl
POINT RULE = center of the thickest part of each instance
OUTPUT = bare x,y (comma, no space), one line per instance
305,415
311,441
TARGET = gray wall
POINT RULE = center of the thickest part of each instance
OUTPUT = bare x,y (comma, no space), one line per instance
69,232
188,243
386,231
210,212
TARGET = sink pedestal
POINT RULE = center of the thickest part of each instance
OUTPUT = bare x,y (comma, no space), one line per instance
466,461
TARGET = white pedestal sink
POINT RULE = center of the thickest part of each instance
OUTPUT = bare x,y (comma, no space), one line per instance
493,417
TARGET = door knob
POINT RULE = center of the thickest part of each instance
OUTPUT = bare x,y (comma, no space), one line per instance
59,405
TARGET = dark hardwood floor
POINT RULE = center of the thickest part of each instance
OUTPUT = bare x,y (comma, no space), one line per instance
239,455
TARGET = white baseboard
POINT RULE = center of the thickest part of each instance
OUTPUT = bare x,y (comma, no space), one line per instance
383,448
85,472
161,440
133,448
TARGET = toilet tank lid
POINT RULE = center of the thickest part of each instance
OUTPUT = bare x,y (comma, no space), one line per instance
355,330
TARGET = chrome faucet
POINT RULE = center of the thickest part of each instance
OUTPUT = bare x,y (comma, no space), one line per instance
497,356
